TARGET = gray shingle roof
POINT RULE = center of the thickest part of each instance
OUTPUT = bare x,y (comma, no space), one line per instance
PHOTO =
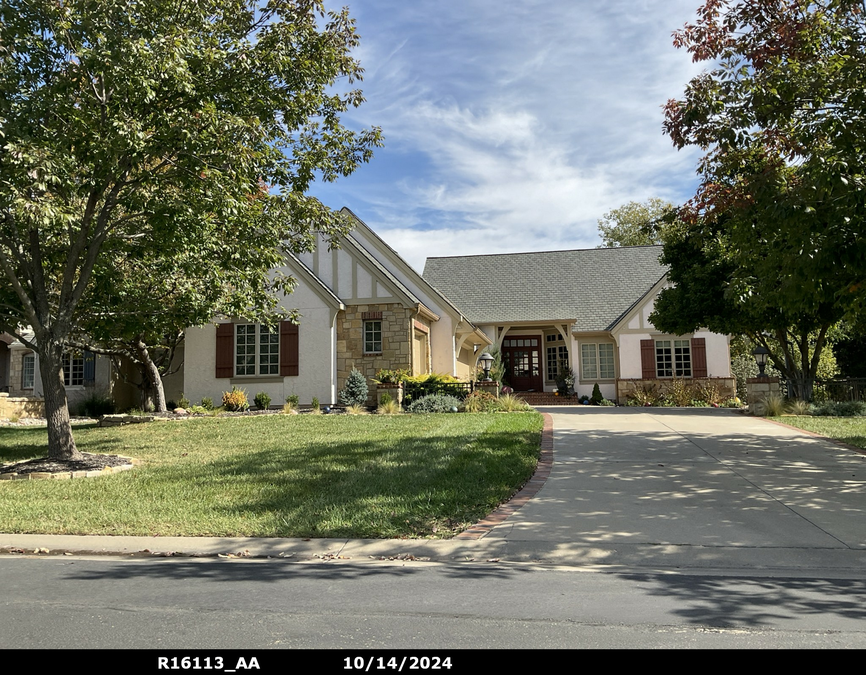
593,287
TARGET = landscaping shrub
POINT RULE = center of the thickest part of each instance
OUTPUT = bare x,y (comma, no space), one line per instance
710,393
839,409
355,392
315,406
97,405
183,402
511,403
262,401
798,407
388,406
596,397
207,403
384,376
479,401
565,383
235,400
770,406
293,401
646,393
680,393
356,409
434,403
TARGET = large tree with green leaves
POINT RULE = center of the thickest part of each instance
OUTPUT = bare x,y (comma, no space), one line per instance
636,223
166,125
781,203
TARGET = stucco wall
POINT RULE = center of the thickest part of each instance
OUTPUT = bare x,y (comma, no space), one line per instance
718,354
315,370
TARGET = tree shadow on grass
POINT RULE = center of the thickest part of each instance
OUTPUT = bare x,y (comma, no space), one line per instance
384,488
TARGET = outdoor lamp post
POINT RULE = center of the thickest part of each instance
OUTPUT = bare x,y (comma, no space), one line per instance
486,361
761,354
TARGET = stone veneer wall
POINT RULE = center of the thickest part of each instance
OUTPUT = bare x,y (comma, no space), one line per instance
397,329
21,406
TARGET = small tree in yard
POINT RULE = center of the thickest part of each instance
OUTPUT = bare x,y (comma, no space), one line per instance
147,143
355,392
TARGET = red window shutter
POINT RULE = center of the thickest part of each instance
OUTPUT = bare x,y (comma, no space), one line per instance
225,349
289,352
648,359
699,357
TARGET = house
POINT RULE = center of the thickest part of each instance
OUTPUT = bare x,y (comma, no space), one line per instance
361,305
21,382
587,310
84,374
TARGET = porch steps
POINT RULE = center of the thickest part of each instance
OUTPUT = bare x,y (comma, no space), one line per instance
536,398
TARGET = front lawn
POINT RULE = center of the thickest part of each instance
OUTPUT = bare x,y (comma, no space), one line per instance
850,430
281,476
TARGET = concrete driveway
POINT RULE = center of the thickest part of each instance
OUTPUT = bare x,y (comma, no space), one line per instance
692,487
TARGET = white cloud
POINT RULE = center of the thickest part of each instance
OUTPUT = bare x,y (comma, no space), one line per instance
515,125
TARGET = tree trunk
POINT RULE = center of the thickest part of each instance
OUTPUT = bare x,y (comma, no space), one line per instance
151,380
61,445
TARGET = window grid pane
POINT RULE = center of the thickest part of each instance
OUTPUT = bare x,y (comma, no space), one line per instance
73,370
589,362
682,358
372,337
552,369
28,368
606,367
269,351
664,363
245,349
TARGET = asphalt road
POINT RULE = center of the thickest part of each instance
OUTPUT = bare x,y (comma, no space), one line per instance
106,603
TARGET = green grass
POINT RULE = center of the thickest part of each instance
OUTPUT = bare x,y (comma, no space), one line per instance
847,429
281,476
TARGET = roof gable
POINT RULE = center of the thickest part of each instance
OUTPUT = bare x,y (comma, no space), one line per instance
593,288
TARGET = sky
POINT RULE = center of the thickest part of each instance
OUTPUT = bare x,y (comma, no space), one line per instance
513,125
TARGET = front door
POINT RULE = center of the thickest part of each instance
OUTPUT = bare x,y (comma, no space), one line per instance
521,357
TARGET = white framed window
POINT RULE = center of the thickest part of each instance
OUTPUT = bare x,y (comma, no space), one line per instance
28,371
673,358
257,350
372,337
557,361
73,369
597,362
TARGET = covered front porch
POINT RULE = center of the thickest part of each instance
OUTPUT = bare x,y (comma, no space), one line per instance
534,355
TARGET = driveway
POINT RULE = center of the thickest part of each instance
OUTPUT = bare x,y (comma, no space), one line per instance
692,487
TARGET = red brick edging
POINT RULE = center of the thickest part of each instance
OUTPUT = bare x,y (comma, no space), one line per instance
527,492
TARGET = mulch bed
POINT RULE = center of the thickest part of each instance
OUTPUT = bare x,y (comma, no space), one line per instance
88,462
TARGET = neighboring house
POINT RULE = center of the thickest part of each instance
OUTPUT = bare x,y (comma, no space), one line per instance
83,372
584,309
360,306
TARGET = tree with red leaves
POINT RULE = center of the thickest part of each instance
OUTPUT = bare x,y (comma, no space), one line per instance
780,206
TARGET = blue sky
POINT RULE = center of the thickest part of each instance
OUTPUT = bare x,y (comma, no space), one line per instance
513,125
